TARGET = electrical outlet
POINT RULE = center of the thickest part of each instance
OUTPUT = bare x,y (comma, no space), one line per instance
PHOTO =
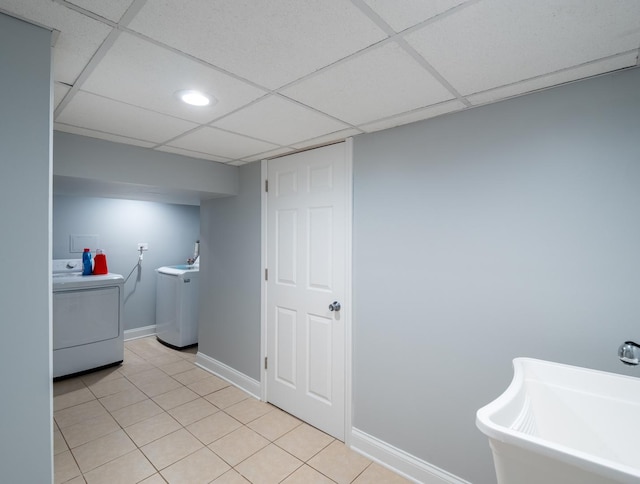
143,246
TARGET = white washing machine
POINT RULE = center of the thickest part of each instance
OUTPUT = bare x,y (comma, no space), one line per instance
177,305
87,319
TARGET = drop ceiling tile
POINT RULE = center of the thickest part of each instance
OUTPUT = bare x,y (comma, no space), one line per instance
112,10
153,75
581,72
192,154
498,42
270,43
98,134
379,83
279,121
337,136
220,143
410,12
80,36
413,116
59,92
101,114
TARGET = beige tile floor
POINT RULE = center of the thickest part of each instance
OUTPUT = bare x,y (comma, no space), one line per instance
159,418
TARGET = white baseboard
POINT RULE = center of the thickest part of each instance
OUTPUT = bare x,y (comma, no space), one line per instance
136,333
400,461
229,374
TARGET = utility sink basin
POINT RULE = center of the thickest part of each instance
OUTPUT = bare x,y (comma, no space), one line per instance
186,267
557,423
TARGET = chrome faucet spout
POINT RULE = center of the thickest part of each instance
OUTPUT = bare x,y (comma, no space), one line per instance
196,254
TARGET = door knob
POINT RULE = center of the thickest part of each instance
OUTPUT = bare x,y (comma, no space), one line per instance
334,306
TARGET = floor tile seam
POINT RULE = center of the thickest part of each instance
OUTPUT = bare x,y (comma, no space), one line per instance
279,436
218,438
83,420
72,456
77,465
328,477
159,470
96,438
248,421
141,371
177,373
316,470
104,463
249,456
123,455
121,427
108,394
302,464
158,438
93,440
149,396
198,450
362,472
293,471
307,460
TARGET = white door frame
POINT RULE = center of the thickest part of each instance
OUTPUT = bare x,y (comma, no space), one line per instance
347,307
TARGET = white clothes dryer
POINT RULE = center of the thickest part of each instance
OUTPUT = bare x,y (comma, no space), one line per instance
88,331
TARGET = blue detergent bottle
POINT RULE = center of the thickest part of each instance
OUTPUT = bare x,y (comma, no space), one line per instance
87,268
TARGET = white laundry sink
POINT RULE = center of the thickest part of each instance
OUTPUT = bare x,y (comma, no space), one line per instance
564,424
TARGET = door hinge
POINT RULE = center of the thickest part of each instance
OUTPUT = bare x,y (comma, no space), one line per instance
266,186
266,274
265,362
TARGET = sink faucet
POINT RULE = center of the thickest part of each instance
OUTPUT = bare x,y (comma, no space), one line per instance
629,353
196,254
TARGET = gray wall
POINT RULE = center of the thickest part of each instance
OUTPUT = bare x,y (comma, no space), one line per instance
170,230
149,174
230,274
503,231
25,252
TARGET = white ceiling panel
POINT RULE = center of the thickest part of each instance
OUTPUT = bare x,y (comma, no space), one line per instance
220,143
413,116
80,36
389,81
112,9
270,43
497,42
279,121
192,154
402,15
101,135
141,64
109,116
291,75
589,70
328,138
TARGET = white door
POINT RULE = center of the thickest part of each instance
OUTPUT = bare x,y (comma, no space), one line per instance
306,261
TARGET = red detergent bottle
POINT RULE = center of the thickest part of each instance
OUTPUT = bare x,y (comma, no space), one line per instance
100,263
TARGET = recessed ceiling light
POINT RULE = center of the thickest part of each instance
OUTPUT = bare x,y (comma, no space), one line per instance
194,98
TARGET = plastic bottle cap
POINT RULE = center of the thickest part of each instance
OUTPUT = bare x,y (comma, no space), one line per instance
86,250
